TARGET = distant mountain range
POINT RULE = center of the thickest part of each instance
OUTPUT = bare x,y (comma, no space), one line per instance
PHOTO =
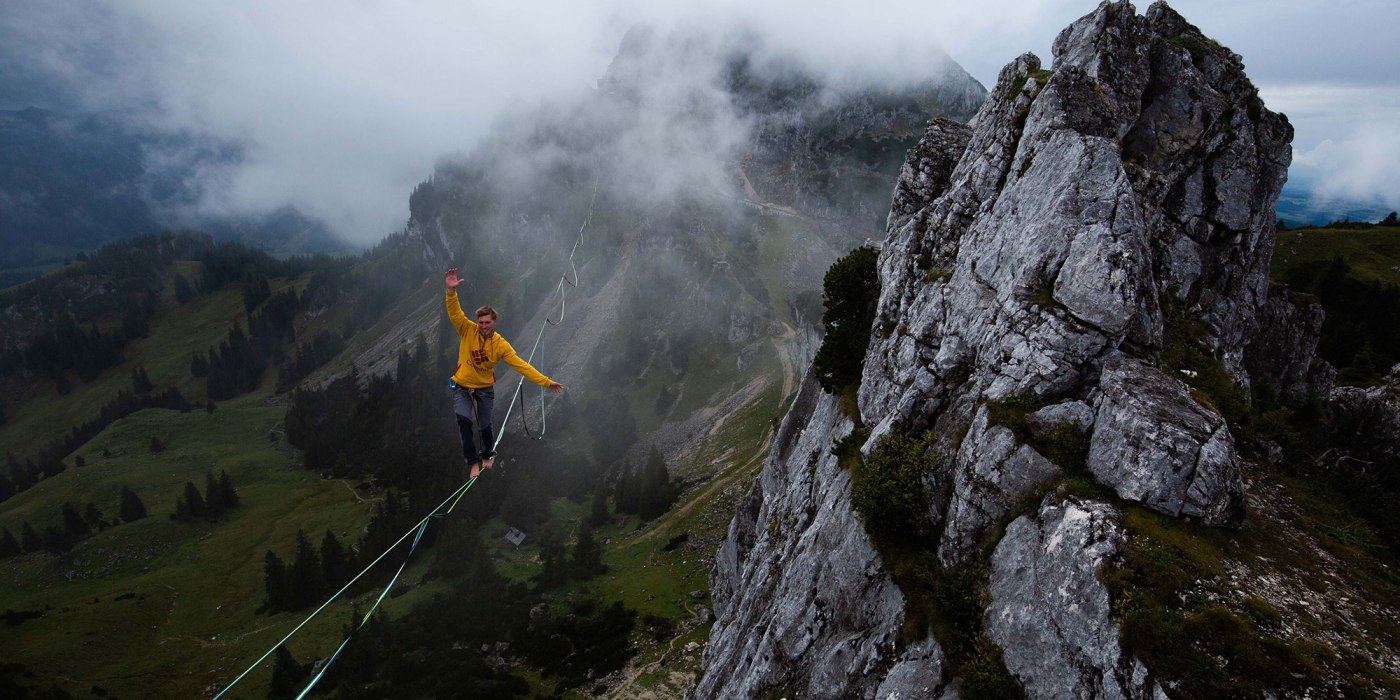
73,182
1299,205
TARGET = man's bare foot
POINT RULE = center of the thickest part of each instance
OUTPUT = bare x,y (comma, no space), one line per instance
476,469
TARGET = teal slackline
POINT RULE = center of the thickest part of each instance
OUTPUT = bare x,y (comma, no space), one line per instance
454,498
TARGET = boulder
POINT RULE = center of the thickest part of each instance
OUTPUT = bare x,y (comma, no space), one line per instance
1049,612
1156,445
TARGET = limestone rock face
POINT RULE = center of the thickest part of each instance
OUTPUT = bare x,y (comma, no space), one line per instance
1368,420
993,472
802,601
1284,349
1049,612
1025,264
1154,444
1085,193
927,169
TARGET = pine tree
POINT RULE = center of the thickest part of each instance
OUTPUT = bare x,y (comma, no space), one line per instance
55,541
335,563
132,509
194,503
255,291
29,539
226,490
183,290
74,527
456,547
850,291
140,381
598,514
213,497
199,366
306,582
656,493
52,467
588,555
21,477
556,566
288,676
182,510
9,546
664,400
627,491
93,516
275,584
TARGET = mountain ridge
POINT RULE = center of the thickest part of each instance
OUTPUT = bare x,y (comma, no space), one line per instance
1072,292
71,183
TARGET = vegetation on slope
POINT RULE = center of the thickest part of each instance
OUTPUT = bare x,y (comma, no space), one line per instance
361,435
850,291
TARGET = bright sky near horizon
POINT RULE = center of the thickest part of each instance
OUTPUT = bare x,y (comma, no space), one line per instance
342,107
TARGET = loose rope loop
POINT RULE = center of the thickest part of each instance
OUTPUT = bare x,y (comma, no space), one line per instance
561,292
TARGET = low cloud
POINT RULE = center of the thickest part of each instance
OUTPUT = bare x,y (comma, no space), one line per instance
341,108
1360,158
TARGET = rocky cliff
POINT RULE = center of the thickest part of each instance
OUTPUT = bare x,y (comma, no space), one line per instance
1074,302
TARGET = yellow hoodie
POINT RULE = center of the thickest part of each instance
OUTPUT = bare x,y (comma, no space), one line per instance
477,356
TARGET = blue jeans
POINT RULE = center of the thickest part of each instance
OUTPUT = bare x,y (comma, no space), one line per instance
473,409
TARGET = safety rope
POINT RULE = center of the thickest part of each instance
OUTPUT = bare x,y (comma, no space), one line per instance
561,292
454,498
368,614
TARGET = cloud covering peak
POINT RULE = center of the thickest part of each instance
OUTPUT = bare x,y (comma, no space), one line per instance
341,108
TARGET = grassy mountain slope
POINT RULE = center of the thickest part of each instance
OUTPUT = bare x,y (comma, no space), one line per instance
193,589
1373,253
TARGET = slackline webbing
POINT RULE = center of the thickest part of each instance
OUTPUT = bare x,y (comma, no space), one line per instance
455,497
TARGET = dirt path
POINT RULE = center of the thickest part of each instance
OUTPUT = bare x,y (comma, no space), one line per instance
782,345
736,476
627,687
719,483
356,494
722,481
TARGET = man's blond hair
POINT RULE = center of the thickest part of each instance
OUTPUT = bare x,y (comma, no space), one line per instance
486,311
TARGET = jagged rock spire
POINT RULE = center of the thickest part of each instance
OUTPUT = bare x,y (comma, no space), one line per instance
1045,254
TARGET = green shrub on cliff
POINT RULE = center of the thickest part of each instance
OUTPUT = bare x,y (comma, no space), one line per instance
849,291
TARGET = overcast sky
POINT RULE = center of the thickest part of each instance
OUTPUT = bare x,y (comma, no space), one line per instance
344,105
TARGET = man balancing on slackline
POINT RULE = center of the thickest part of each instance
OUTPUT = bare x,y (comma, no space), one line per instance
473,382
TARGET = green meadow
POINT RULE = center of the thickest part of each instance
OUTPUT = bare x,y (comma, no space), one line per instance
159,608
1373,253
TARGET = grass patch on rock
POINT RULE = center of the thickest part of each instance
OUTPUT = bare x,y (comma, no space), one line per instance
888,492
1182,613
1186,355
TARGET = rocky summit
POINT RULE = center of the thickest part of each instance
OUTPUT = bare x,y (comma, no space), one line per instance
1058,279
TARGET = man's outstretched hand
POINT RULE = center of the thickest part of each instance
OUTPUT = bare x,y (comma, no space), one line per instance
452,279
556,388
